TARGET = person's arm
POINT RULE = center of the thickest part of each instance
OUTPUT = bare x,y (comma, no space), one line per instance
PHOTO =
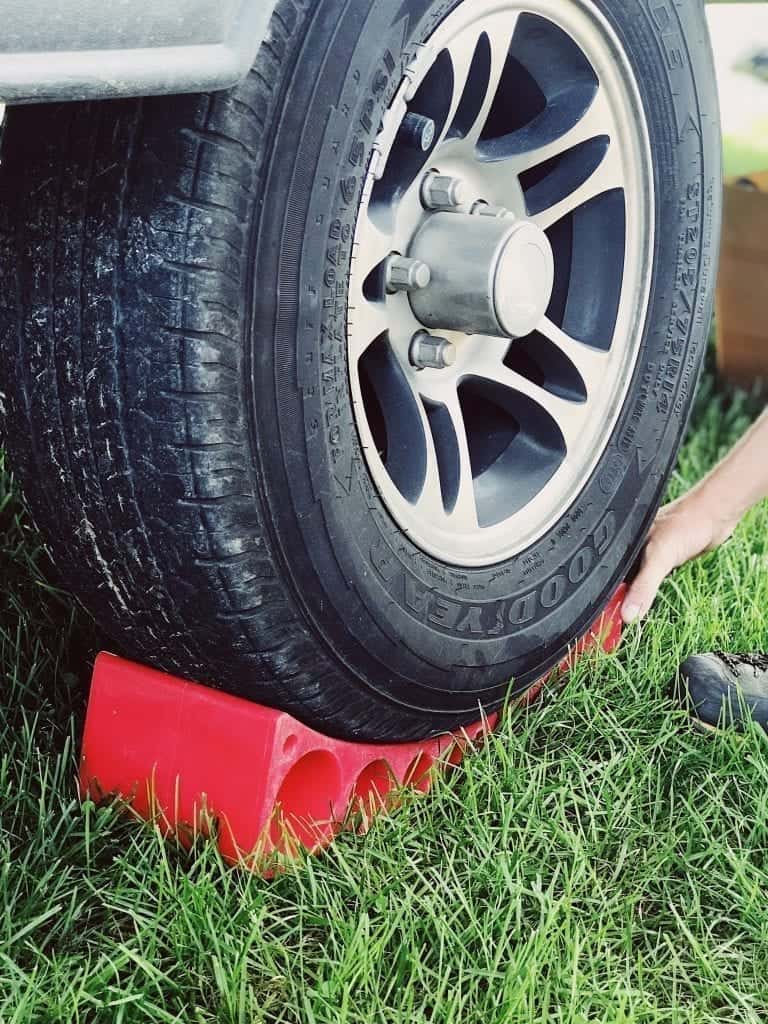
703,518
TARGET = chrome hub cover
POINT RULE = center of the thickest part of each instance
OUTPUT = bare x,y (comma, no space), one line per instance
488,275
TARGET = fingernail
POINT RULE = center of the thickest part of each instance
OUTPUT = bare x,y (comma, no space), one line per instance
630,612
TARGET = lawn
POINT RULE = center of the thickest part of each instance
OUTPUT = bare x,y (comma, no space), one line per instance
597,861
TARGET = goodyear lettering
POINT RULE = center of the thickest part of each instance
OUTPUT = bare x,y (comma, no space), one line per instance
491,618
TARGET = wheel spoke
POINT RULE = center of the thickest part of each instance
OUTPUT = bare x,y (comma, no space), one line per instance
405,440
430,501
366,321
500,168
597,120
607,178
589,361
462,52
569,416
462,513
499,31
372,245
367,318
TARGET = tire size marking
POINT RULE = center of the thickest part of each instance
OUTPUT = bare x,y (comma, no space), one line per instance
683,307
331,292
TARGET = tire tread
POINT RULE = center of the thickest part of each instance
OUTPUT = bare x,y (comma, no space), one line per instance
131,213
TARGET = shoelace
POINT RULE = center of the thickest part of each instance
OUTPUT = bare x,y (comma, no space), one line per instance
757,662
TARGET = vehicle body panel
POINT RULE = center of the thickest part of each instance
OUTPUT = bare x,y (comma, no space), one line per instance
92,49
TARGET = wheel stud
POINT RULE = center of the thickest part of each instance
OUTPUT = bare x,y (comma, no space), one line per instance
418,131
430,351
483,209
403,274
442,192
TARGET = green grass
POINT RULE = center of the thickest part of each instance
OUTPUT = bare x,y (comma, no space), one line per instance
743,158
597,861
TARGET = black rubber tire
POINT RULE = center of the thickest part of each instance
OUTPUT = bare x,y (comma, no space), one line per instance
172,281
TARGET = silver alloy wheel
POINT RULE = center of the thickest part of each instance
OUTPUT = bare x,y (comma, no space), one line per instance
501,272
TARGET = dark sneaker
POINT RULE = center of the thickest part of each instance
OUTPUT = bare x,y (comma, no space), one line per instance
722,689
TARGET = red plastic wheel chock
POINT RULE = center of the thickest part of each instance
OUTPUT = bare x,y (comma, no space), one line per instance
184,756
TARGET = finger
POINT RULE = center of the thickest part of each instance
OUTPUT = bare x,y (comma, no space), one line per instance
657,564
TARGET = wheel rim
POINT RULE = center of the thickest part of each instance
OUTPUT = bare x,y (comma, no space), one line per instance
500,278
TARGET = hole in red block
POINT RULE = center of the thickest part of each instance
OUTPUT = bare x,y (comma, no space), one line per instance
456,753
373,784
419,773
289,744
307,800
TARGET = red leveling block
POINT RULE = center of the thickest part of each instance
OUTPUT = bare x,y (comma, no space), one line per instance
184,756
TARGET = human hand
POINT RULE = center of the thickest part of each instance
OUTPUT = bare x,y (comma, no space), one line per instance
681,532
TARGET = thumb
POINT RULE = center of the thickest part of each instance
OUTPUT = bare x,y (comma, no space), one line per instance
658,562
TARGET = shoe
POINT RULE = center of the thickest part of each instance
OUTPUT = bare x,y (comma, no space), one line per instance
723,689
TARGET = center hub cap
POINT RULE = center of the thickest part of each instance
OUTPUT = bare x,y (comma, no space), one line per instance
489,275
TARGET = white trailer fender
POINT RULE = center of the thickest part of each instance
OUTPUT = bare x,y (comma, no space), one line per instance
91,49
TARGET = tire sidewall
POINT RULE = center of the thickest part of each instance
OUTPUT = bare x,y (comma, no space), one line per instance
434,636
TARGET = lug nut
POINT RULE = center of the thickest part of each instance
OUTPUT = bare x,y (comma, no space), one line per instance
430,351
403,274
483,209
442,192
418,131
